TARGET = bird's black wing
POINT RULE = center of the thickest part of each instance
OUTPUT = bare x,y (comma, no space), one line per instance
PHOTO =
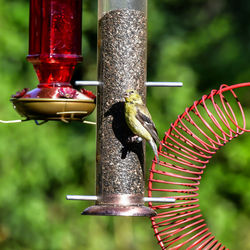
146,121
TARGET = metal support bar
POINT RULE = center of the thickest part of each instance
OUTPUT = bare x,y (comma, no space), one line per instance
88,83
164,84
148,84
159,199
94,198
89,122
13,121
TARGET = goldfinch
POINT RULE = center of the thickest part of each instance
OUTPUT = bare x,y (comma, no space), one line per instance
139,120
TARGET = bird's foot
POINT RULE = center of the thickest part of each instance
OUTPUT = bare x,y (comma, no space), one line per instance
134,138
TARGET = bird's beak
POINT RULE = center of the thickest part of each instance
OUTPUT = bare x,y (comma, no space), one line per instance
126,96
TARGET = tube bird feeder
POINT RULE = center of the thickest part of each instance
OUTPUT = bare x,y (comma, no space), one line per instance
122,51
54,51
122,63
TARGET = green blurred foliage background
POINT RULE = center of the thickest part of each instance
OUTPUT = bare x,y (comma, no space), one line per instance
202,43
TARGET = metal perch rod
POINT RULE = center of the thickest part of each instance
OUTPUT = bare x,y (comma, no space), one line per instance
148,84
95,198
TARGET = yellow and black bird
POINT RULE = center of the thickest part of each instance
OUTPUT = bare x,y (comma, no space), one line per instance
139,120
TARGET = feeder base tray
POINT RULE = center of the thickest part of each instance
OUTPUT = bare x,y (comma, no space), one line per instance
53,109
114,210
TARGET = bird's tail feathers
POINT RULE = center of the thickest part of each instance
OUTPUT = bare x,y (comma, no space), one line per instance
154,147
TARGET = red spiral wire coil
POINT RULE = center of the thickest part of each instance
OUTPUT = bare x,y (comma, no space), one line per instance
186,149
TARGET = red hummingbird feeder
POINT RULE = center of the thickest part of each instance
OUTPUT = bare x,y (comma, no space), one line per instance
54,51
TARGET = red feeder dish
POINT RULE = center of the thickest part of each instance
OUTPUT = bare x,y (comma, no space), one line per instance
54,51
